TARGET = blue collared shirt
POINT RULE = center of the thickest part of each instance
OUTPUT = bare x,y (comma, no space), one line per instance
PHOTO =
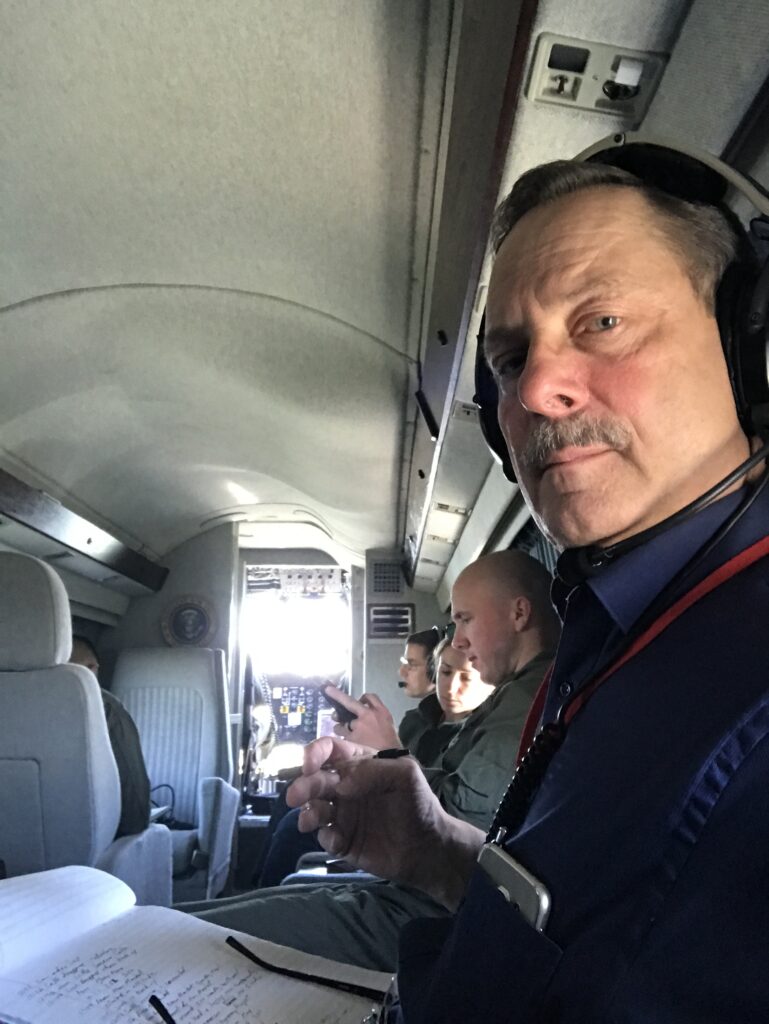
598,614
650,827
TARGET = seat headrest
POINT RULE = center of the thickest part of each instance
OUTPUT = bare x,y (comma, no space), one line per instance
35,624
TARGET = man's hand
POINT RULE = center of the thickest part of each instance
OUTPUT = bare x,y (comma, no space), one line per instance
374,726
382,816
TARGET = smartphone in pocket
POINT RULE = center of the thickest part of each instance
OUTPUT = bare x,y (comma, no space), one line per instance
521,889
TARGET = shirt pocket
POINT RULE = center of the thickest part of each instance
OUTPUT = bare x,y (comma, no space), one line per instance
493,966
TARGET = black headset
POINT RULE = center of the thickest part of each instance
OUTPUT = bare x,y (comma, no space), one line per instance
742,298
432,666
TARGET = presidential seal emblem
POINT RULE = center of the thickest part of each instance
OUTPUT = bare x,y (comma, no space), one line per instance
190,622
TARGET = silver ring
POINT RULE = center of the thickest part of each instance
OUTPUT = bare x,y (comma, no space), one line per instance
330,822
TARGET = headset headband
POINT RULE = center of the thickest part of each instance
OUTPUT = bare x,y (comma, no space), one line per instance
657,161
743,295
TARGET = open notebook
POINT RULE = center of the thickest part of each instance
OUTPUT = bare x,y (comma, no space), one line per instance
75,950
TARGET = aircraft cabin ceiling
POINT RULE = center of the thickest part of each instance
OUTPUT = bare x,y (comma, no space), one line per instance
216,221
237,237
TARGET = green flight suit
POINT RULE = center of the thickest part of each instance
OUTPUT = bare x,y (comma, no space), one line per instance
424,732
476,767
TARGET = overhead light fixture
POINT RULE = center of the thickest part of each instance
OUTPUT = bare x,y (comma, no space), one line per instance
241,494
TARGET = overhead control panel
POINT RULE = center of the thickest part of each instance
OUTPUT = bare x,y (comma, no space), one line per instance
595,76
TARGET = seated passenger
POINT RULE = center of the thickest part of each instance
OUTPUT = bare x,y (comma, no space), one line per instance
417,730
417,678
507,629
460,690
427,730
126,748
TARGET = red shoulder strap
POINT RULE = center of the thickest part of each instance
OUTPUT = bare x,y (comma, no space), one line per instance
711,582
534,716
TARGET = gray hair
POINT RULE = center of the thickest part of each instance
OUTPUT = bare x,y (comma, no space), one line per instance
701,235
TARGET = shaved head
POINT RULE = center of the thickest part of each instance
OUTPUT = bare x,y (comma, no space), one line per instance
503,614
511,573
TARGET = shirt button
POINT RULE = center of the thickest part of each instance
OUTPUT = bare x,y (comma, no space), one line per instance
565,689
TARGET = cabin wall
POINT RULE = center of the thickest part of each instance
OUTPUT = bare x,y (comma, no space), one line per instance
381,657
206,566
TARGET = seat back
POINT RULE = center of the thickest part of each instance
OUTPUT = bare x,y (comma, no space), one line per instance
178,699
59,785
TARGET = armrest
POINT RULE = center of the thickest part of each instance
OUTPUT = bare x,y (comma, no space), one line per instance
318,876
218,803
143,862
314,859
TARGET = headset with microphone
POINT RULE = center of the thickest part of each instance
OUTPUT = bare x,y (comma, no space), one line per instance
429,639
742,307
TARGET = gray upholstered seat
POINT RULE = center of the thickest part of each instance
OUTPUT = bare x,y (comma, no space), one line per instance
178,699
59,785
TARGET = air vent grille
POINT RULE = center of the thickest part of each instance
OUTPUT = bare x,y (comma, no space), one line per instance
390,621
387,578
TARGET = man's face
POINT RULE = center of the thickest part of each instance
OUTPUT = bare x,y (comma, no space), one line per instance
413,671
81,655
614,398
484,626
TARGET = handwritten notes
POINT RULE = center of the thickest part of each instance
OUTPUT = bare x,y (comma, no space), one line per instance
109,974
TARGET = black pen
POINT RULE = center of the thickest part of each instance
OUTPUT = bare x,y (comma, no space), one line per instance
342,986
161,1011
289,774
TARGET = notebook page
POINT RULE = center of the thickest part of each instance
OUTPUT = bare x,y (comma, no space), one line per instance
41,912
108,976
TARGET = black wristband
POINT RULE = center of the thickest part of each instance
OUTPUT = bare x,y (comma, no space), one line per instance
391,753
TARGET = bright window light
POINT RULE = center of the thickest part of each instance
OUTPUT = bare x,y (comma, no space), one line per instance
285,755
303,636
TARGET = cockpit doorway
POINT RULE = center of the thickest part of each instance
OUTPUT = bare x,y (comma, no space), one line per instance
296,631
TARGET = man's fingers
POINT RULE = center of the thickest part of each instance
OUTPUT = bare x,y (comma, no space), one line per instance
332,841
318,786
343,698
318,753
375,775
321,815
321,759
374,702
316,814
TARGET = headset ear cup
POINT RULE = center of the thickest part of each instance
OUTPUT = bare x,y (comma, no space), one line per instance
742,311
731,300
487,399
431,673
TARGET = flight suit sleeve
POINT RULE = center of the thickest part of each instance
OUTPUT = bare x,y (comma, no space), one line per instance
134,782
478,765
473,789
412,727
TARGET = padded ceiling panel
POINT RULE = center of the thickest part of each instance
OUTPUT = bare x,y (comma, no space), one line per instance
259,147
718,66
163,407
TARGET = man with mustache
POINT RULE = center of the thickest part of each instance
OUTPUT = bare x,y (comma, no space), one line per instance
642,808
